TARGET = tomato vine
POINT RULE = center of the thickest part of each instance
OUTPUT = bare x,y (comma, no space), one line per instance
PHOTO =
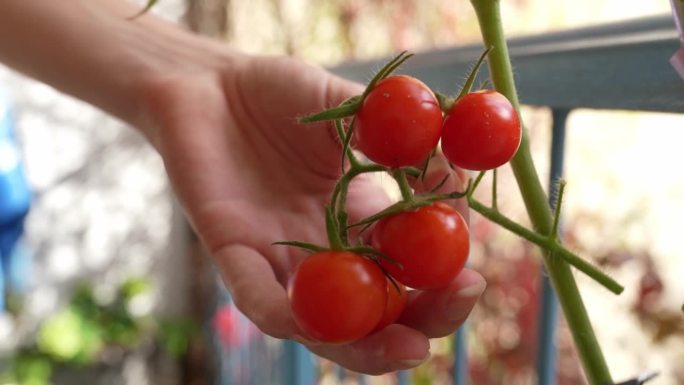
394,263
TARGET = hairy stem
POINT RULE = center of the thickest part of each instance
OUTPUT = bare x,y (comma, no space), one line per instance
400,176
548,243
501,74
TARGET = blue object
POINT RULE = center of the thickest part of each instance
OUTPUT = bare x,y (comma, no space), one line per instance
403,377
15,198
460,357
548,316
298,364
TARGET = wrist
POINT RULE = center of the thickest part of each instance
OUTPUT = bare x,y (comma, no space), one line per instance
102,56
165,61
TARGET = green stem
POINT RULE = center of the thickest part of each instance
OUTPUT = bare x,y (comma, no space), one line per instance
473,186
333,230
593,361
404,187
347,152
495,203
547,243
338,199
557,209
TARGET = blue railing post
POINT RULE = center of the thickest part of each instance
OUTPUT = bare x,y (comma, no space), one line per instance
298,364
460,373
403,377
548,316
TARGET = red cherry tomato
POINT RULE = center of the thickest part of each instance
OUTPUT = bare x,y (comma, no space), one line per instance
396,302
431,244
481,131
337,296
399,122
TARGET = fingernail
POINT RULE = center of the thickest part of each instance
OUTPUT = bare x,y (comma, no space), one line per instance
474,290
461,302
413,363
303,340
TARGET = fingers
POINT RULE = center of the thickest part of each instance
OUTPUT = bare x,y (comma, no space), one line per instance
396,347
256,291
339,89
440,312
456,180
366,197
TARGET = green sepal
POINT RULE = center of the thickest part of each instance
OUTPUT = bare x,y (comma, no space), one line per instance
302,245
473,74
148,6
387,70
344,110
368,251
445,101
393,209
440,184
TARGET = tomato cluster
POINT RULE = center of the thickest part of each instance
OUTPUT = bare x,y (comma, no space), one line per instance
400,123
343,294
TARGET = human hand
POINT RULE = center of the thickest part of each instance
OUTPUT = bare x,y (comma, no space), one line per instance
248,175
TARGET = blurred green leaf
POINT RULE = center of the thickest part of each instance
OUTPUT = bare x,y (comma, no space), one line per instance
133,287
121,328
175,335
83,301
68,337
76,335
31,368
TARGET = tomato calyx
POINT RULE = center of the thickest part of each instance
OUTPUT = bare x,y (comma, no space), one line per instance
447,102
408,205
351,106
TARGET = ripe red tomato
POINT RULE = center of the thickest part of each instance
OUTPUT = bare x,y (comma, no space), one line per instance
431,244
337,296
481,131
399,122
396,302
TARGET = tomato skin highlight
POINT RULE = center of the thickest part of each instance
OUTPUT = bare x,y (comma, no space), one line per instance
431,243
396,303
399,122
337,296
481,131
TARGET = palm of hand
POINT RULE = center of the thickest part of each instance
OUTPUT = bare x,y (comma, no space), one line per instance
249,175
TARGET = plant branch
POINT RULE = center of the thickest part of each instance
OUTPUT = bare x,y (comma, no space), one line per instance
400,176
548,243
593,361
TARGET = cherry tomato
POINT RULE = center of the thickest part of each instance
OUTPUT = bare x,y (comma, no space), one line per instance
399,122
396,302
431,243
337,296
481,131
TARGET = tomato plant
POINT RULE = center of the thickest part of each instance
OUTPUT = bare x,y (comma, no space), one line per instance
337,296
430,243
481,131
399,122
396,302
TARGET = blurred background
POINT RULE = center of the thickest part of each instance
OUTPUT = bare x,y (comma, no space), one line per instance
105,284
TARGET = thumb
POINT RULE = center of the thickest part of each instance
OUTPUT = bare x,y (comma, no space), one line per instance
339,89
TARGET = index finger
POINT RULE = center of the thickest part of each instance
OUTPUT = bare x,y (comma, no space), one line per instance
255,290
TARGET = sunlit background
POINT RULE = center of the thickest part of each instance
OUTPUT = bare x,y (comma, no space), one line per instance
108,286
